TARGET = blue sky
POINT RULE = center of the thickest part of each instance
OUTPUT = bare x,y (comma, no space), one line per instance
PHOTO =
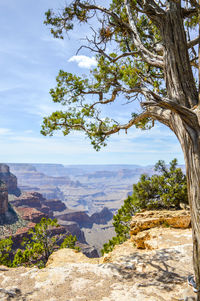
30,59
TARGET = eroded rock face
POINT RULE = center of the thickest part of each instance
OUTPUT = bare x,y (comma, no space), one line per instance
80,217
31,214
9,179
102,217
3,198
151,219
55,205
74,229
29,199
83,219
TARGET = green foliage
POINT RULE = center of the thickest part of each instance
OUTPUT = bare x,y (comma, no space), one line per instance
36,248
164,190
5,249
69,242
114,76
39,246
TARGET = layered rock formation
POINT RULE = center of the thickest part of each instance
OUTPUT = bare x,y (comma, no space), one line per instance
126,274
83,219
9,179
142,231
3,198
55,205
101,217
74,229
151,219
80,217
31,214
32,206
30,179
37,201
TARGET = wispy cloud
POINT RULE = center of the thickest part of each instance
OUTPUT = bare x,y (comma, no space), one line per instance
5,132
83,61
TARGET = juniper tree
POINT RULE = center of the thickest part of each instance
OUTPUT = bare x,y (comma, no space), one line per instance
153,61
163,190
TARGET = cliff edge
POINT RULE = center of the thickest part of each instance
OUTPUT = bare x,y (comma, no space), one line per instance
156,272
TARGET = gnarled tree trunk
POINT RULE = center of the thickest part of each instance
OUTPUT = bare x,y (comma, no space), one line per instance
182,90
191,150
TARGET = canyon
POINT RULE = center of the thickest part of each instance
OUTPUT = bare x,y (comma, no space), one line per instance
84,190
83,198
80,187
156,272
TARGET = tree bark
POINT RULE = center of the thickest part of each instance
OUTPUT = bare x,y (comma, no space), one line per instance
181,88
179,78
191,150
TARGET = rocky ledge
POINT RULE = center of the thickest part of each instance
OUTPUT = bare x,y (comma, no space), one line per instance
125,274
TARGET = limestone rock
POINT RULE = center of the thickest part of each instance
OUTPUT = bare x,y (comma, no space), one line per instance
128,274
62,257
151,219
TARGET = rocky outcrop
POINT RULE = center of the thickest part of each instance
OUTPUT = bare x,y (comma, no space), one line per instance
151,219
55,205
31,214
74,229
3,198
37,201
148,227
83,219
29,199
126,274
101,217
9,179
21,233
80,217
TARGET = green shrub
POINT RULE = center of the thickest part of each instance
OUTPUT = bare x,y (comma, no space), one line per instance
164,190
37,248
5,249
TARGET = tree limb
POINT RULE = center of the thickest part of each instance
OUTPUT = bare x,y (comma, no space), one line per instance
149,57
193,42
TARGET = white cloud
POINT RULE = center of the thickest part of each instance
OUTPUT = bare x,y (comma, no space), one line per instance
5,131
83,61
